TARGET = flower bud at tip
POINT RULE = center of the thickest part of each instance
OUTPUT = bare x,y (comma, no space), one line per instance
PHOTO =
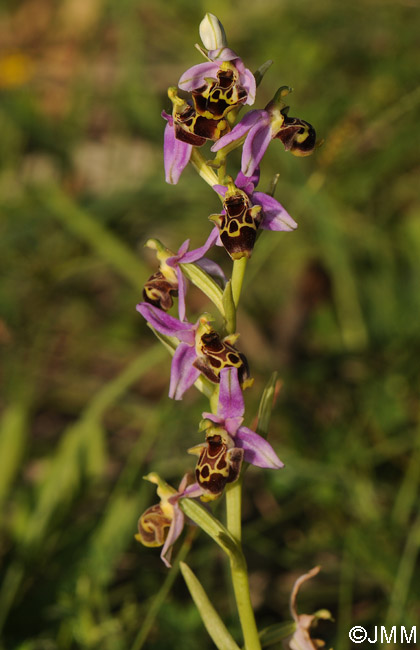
212,33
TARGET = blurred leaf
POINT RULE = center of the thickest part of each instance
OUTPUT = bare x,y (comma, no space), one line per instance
101,240
13,436
213,623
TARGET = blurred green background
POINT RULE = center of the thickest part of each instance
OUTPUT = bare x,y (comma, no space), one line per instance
334,307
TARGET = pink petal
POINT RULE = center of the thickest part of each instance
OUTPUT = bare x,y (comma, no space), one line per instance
222,54
166,324
212,269
176,155
275,216
240,129
183,373
255,146
247,80
191,491
195,76
175,530
198,253
248,183
182,289
231,425
257,450
220,189
231,401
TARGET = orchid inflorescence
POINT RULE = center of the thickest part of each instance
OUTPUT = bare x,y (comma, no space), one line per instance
203,354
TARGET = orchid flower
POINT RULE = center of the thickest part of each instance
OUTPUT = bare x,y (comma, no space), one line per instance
220,84
228,443
261,126
169,281
229,416
201,350
186,129
244,212
162,524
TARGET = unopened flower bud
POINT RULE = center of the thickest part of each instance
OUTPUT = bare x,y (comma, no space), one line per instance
212,33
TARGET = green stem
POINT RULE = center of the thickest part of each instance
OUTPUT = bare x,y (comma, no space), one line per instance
238,273
214,399
234,517
234,508
202,168
239,569
243,603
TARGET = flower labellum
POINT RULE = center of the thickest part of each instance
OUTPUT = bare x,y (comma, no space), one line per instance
219,462
163,284
190,126
215,353
238,223
216,97
158,291
297,136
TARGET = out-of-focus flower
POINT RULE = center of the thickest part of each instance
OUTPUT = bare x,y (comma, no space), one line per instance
244,212
162,524
301,638
169,281
212,33
220,84
185,129
230,412
200,350
262,126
